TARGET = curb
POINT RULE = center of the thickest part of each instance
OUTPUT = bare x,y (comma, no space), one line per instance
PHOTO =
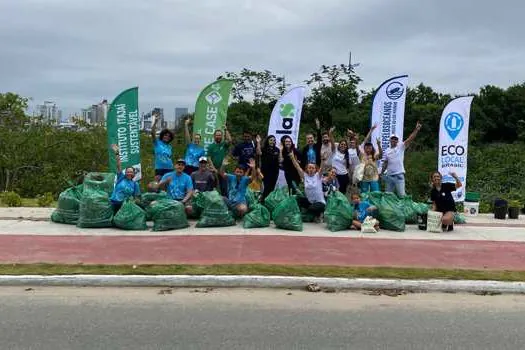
246,281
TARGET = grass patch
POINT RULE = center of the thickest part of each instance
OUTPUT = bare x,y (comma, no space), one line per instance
263,270
29,203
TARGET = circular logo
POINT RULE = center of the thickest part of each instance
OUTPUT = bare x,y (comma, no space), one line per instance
453,124
395,90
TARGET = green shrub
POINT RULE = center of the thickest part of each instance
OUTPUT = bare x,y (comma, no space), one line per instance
12,199
45,200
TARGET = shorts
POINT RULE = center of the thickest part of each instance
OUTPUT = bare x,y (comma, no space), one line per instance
162,172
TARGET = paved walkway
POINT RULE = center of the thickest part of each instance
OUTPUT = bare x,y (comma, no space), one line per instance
482,244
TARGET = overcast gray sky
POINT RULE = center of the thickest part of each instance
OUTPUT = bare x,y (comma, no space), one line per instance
77,52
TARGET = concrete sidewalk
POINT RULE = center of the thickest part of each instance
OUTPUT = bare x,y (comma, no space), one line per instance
481,244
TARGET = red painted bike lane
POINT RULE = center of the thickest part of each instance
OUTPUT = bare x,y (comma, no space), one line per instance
287,250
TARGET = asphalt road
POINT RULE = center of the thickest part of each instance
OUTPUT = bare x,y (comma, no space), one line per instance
112,318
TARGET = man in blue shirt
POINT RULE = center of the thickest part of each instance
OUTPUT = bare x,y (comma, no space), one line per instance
244,151
237,185
179,185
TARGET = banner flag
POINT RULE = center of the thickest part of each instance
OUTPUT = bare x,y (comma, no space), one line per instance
211,110
123,126
453,143
388,110
286,114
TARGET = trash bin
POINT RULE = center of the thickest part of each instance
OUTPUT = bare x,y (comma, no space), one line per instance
500,209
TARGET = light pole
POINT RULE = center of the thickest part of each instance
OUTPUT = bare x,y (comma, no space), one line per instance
350,65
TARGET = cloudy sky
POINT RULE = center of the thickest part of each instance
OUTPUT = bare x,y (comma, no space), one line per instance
78,52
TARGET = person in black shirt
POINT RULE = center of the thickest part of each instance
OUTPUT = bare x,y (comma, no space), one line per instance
293,179
442,200
269,165
312,151
244,151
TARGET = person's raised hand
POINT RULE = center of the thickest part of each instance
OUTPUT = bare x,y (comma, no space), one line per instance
251,163
317,123
187,121
418,125
332,129
258,139
115,148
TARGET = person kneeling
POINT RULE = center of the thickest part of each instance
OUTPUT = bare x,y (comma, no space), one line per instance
362,209
314,201
237,185
442,199
178,185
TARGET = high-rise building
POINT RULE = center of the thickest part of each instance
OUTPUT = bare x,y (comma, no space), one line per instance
180,112
49,112
147,122
96,114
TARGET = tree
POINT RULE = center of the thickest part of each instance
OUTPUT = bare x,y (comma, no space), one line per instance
334,96
261,87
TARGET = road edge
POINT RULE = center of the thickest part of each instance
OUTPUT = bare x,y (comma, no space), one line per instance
248,281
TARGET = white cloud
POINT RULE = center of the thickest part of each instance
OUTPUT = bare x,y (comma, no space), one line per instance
78,52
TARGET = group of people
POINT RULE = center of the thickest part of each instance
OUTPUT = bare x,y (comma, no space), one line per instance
322,166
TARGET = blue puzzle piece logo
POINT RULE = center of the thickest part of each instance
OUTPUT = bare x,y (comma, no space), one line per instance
453,124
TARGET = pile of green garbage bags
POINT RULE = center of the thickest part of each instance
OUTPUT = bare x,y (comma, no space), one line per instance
338,214
215,212
394,212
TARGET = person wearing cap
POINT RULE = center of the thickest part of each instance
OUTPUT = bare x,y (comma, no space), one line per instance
237,185
194,150
203,179
178,185
393,160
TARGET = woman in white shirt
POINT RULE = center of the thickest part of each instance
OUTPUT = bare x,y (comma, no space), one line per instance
341,163
314,202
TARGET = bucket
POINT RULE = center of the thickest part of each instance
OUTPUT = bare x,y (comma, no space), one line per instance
514,213
471,208
500,213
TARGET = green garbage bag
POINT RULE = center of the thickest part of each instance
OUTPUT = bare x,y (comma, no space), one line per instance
148,197
95,209
251,199
459,219
130,217
287,215
306,216
100,181
259,216
274,198
390,211
197,206
215,213
338,214
409,209
421,208
168,214
68,207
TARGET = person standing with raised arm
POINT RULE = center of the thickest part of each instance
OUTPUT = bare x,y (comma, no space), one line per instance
162,149
312,151
217,151
194,150
393,162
